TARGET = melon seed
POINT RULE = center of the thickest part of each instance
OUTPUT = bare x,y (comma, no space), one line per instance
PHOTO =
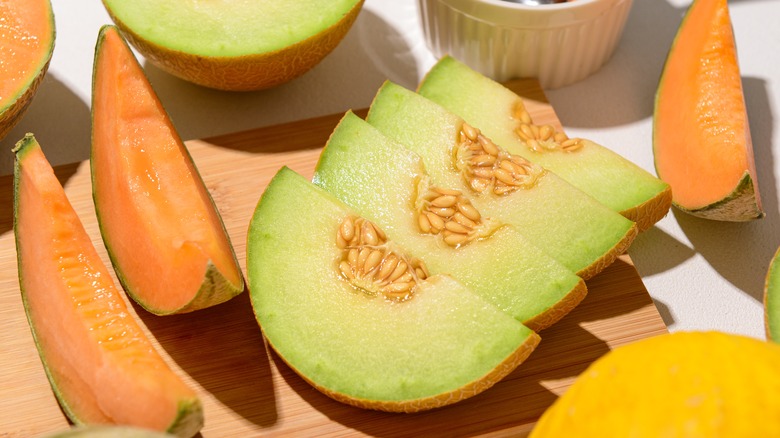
448,212
370,264
542,138
502,173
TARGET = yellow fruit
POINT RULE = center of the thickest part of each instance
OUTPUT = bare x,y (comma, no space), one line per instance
690,384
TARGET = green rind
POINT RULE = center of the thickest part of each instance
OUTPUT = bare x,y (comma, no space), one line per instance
215,288
15,106
596,170
189,416
377,177
741,205
582,234
364,351
772,299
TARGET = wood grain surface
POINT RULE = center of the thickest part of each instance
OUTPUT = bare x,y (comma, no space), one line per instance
246,389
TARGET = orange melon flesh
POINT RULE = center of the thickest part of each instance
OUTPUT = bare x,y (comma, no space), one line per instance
701,135
102,367
164,235
26,43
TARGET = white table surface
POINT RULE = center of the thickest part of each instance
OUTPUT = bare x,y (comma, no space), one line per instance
703,275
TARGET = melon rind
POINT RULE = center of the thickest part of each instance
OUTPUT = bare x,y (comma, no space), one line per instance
14,107
379,179
247,72
441,346
215,287
772,299
189,410
579,232
596,170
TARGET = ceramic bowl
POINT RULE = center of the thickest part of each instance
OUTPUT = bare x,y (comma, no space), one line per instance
558,44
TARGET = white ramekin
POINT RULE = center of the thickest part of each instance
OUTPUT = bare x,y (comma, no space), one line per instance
559,44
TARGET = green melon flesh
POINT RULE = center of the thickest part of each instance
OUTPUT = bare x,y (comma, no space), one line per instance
107,432
227,29
611,179
441,345
380,179
772,299
580,233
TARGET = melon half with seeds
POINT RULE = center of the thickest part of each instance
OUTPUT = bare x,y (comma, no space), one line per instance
246,45
582,234
160,226
26,45
701,135
502,116
359,317
102,367
387,184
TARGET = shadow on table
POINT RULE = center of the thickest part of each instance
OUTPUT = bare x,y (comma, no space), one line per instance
347,78
741,252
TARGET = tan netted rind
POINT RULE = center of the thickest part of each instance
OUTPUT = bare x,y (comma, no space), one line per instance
651,211
609,257
559,309
409,406
742,205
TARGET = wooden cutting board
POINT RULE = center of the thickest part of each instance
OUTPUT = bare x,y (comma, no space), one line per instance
247,390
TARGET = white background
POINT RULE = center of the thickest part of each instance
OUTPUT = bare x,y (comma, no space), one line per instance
702,275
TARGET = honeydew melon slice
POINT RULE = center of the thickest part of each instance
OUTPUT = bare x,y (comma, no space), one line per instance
358,341
387,184
500,114
101,366
582,234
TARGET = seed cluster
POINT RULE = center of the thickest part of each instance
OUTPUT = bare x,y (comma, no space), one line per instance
488,168
542,138
449,213
369,263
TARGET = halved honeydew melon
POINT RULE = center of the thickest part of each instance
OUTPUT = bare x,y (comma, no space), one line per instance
377,333
501,115
101,366
162,231
27,36
582,234
387,184
239,46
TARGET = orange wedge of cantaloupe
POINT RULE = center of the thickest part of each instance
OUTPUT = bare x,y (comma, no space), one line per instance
701,137
26,45
688,384
164,234
102,367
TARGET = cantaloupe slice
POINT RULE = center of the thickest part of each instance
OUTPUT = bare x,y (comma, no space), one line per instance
246,45
359,318
503,117
102,367
701,135
164,234
26,44
388,185
573,228
687,384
